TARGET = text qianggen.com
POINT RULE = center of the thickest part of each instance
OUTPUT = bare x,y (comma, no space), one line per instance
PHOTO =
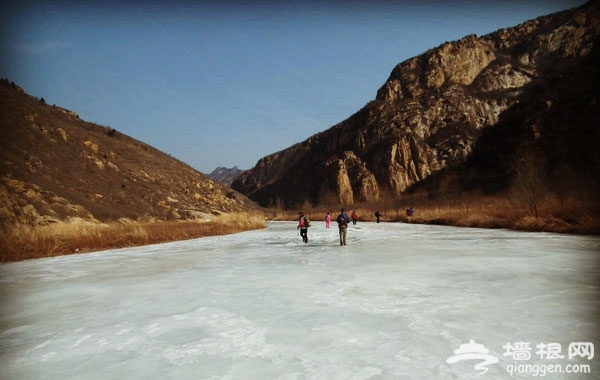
543,369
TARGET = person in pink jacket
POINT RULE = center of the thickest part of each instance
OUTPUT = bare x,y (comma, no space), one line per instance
327,219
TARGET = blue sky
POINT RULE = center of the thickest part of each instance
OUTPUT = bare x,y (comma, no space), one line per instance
224,83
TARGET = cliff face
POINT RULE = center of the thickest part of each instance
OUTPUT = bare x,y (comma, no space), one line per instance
57,167
426,117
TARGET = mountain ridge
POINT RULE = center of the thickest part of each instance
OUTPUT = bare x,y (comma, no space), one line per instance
225,175
425,118
56,167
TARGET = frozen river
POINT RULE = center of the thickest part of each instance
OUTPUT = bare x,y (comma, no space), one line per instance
395,303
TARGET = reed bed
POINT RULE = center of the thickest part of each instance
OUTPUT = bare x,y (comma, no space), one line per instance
67,238
574,216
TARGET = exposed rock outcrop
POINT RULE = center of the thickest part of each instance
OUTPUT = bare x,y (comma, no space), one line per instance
426,117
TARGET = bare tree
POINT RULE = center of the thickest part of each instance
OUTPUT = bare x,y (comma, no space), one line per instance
529,179
449,188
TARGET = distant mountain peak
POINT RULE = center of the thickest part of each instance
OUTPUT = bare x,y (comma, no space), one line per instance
225,175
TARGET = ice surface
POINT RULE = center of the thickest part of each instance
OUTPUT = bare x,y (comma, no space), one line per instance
393,304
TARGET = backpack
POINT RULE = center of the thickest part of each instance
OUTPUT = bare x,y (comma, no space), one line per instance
306,221
341,221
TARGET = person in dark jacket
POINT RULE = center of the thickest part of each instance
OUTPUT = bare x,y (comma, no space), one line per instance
343,220
303,227
377,215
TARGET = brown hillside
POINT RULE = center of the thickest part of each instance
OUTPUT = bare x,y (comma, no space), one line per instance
55,166
429,115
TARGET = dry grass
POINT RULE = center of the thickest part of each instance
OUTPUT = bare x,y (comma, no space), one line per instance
64,238
573,216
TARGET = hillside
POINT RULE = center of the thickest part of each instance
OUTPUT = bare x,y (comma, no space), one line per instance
56,167
554,129
431,113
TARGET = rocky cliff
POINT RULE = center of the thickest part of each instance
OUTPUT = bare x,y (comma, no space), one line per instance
426,117
56,167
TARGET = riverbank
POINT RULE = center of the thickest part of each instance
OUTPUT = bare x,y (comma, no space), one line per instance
67,238
570,217
63,238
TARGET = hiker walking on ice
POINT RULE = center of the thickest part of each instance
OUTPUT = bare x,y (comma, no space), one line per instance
327,219
342,221
377,215
354,217
303,227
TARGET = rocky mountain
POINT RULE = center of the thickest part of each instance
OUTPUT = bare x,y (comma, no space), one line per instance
225,175
430,114
555,126
55,166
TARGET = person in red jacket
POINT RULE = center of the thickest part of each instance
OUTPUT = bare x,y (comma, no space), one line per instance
354,217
